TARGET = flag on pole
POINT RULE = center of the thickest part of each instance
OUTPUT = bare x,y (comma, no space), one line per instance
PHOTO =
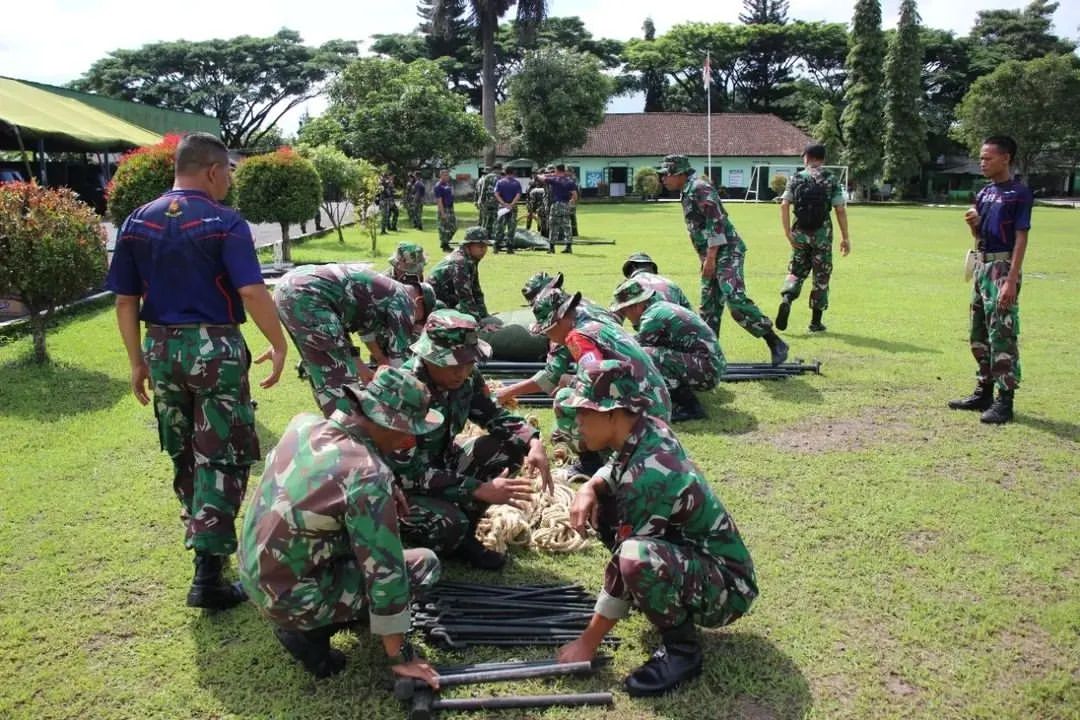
706,72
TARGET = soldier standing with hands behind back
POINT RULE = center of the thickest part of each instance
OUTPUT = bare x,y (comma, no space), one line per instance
186,266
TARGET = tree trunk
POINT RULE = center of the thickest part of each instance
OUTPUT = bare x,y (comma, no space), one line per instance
488,23
286,251
37,327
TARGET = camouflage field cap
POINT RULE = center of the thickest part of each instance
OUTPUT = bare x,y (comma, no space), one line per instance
451,338
630,292
408,259
477,235
674,165
604,386
538,283
551,306
396,399
637,261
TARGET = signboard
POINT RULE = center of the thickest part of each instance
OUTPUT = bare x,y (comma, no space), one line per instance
735,178
593,178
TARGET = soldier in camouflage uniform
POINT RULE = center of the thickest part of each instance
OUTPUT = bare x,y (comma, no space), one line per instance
320,305
185,266
486,204
680,343
320,549
677,554
444,206
721,252
449,483
813,191
534,203
456,278
563,197
643,268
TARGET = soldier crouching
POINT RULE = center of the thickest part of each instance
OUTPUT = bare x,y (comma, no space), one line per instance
320,542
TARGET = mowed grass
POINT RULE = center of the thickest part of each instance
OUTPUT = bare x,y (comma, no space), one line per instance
913,563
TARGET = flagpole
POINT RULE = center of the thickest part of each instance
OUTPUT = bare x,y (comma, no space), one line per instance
708,115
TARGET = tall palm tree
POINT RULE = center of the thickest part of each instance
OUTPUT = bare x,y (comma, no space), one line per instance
484,19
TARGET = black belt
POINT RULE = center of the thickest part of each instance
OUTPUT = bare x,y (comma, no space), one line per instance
985,257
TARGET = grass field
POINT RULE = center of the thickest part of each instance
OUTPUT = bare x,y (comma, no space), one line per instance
913,563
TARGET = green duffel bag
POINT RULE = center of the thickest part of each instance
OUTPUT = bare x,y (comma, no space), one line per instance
513,342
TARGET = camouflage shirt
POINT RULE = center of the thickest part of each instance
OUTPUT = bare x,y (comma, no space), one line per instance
426,469
559,358
485,188
660,493
706,220
666,289
325,494
456,280
367,302
668,325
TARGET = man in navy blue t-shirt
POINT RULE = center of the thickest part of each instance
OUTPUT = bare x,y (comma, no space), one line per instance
507,194
185,266
564,194
999,221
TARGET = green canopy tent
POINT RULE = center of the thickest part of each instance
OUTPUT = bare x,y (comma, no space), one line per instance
33,119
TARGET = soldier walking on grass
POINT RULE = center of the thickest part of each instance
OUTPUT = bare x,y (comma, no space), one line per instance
813,192
721,252
320,549
185,266
677,555
999,221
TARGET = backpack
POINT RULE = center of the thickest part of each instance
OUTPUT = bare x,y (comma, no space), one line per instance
811,195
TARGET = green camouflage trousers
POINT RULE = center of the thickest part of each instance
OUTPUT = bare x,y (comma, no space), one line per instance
811,253
442,524
728,287
560,229
573,220
671,583
329,357
206,423
447,228
505,228
994,332
416,212
488,212
698,371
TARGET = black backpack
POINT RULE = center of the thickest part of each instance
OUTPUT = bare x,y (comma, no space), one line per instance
811,202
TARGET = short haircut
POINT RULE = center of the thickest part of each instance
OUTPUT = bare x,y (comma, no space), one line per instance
560,167
1004,144
509,171
199,150
815,151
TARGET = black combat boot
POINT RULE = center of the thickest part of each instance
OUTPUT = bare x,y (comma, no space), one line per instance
312,649
782,312
777,348
815,322
208,590
1001,411
980,400
473,552
568,249
677,660
685,405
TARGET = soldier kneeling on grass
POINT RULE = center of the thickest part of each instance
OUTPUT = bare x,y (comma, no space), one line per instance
320,550
677,555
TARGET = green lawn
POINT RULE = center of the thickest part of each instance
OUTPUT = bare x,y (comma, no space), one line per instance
912,562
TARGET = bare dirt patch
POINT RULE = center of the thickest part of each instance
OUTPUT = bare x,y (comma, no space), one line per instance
871,427
921,541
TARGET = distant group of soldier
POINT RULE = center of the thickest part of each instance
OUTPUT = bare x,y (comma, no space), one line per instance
358,506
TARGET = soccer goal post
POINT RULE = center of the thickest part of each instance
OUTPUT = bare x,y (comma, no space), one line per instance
762,175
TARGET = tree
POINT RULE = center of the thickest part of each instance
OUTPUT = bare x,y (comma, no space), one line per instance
1037,102
827,132
652,80
247,83
557,96
862,119
397,114
141,176
52,251
647,183
484,18
764,12
342,177
905,131
946,78
279,187
1002,35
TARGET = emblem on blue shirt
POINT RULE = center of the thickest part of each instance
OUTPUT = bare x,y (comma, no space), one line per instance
174,210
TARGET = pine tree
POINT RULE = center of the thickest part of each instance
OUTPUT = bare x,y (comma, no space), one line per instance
905,129
764,12
862,117
827,132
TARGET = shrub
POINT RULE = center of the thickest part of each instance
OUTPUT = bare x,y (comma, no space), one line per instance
363,200
647,183
142,175
52,251
778,183
342,178
279,187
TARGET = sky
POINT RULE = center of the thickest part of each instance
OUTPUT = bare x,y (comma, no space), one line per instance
55,41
